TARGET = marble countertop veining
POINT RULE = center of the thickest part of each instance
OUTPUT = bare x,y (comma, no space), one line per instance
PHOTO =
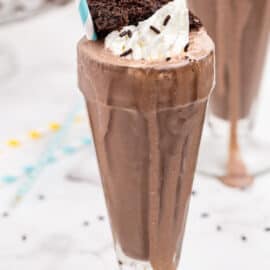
62,224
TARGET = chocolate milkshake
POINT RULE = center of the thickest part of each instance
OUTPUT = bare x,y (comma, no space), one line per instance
240,30
221,17
147,115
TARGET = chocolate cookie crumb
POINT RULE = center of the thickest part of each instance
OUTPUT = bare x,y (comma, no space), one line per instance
186,48
194,22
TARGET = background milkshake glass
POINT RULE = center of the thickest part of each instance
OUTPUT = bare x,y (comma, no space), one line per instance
240,30
146,120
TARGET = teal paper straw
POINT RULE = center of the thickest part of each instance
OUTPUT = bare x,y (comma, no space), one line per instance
46,156
64,151
87,20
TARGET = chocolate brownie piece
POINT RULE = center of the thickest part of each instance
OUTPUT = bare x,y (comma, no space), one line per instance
109,15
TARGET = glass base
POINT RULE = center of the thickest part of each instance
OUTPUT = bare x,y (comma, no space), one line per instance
126,263
134,265
214,153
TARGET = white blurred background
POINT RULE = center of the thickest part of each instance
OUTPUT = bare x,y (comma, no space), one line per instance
59,219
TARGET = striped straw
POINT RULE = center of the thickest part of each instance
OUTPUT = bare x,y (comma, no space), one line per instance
54,144
87,19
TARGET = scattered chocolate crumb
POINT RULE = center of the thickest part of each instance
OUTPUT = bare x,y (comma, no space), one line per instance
219,228
126,53
154,29
168,59
244,238
5,214
126,33
186,57
204,215
86,223
24,237
120,262
101,218
267,229
41,197
186,48
167,19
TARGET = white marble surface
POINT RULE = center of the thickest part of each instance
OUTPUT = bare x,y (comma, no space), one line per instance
40,88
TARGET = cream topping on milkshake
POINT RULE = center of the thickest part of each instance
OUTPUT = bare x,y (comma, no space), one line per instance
164,34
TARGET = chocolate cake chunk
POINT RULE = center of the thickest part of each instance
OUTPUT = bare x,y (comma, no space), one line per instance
109,15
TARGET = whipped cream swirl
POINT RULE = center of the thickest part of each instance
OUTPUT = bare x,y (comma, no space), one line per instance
165,34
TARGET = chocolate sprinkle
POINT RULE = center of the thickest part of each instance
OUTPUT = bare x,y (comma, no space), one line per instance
126,33
120,263
126,53
167,19
24,237
41,197
186,48
100,218
155,30
86,223
168,59
5,214
244,238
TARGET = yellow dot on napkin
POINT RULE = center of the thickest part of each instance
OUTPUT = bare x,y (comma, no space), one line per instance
55,126
78,119
13,143
35,135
